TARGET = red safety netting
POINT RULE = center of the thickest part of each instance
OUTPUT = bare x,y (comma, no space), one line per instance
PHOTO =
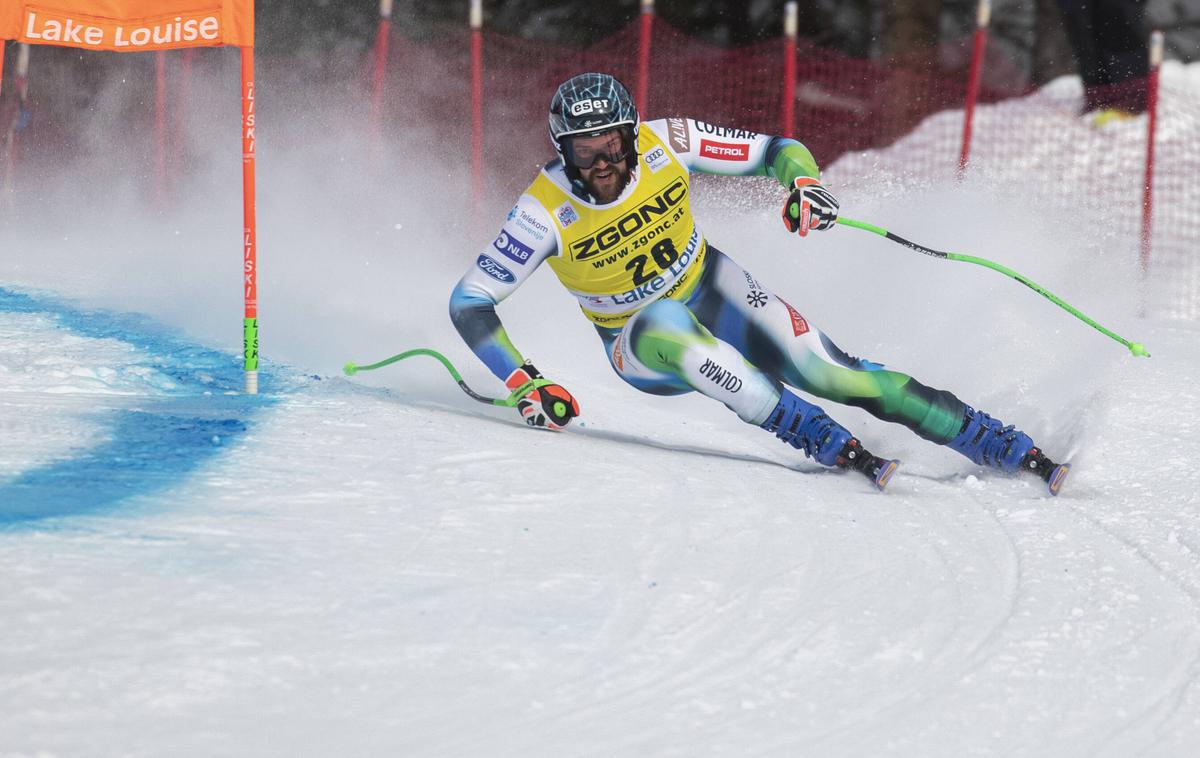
1040,142
842,103
864,120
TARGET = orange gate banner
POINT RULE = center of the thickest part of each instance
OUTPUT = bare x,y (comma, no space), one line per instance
129,26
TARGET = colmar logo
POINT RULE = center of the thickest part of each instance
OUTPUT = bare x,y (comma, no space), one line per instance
724,131
722,377
724,151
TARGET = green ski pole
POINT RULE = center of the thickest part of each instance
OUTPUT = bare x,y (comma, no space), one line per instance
1136,348
509,402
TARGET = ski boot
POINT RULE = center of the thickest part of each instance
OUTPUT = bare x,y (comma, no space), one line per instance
806,427
987,442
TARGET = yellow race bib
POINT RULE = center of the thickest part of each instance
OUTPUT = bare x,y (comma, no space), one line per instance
618,258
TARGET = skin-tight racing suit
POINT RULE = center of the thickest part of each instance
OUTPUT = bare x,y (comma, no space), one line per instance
674,313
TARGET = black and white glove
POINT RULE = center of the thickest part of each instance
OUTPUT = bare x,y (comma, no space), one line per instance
549,405
809,207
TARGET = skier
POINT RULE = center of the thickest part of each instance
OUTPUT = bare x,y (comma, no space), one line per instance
612,218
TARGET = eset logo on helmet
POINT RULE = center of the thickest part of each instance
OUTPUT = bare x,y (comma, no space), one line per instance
590,104
594,105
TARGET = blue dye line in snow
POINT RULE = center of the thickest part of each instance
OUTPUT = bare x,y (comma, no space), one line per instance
167,353
144,450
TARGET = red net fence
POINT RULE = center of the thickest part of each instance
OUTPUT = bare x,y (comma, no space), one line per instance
897,120
864,120
1087,175
842,104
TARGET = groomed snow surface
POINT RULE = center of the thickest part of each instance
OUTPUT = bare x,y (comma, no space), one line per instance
381,566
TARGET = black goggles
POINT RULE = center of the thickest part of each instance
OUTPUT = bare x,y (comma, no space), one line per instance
611,146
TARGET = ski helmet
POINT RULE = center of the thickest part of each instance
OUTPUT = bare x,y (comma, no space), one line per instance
588,105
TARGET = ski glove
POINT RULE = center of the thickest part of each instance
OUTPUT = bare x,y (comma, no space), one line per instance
549,405
809,207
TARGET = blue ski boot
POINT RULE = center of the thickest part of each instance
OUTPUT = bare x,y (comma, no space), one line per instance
987,442
805,427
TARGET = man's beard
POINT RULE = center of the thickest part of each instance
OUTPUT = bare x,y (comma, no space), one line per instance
604,195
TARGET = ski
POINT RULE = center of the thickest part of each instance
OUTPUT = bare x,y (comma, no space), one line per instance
1053,474
854,457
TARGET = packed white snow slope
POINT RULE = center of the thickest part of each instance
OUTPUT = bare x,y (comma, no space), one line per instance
382,566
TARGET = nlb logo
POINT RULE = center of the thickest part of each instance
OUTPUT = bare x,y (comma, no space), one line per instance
493,269
629,224
513,248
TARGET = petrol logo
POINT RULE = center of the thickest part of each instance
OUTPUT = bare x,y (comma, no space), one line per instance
724,151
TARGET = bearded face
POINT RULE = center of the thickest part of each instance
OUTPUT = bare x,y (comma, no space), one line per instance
602,161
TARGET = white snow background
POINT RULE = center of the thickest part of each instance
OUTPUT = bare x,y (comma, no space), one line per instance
381,566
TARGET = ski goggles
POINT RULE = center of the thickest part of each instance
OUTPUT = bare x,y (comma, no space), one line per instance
612,146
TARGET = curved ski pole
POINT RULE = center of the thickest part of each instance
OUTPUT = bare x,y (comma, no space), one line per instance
1136,348
352,368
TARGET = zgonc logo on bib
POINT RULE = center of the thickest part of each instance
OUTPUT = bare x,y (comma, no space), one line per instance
621,230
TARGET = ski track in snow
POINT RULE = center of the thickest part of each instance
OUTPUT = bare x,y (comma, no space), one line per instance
357,569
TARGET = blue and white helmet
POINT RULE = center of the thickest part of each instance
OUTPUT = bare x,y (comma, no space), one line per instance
589,104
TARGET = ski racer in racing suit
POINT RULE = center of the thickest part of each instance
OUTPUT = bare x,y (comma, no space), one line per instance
612,219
